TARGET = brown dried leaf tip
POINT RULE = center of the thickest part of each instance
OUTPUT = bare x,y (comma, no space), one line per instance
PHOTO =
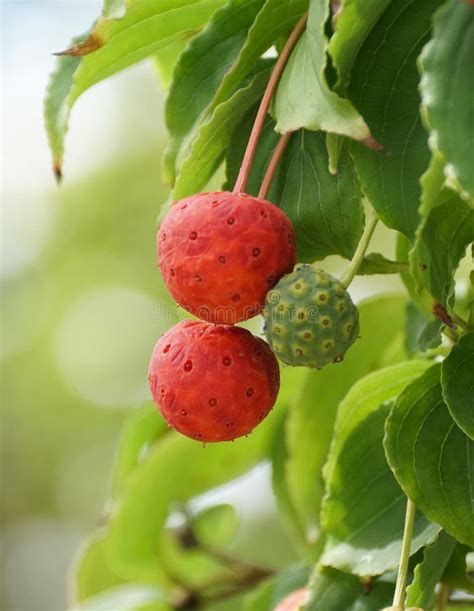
91,43
58,173
372,143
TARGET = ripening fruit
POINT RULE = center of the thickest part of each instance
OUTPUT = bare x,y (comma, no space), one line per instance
213,382
220,253
294,601
310,319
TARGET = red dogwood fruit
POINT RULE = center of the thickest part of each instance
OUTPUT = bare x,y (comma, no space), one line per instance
213,382
220,253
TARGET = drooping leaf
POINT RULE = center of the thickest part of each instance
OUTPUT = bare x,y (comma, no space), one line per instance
447,92
332,590
267,596
175,470
383,88
457,379
431,457
208,148
303,98
353,22
141,429
312,414
326,210
421,591
56,106
115,44
364,508
201,68
146,27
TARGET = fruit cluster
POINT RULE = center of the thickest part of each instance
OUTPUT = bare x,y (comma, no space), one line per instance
224,257
219,254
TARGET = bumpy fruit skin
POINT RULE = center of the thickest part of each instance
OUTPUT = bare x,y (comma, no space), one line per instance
294,601
213,382
219,253
310,319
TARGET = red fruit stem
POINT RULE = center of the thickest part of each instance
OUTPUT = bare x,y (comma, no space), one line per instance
244,172
273,164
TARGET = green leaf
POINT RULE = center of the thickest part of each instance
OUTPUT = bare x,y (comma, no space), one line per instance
271,592
175,470
353,22
165,59
326,210
431,183
92,574
375,263
274,19
208,148
363,510
303,98
127,598
56,107
421,591
142,428
201,68
111,46
312,414
216,526
331,590
446,89
147,27
442,244
431,457
457,379
384,89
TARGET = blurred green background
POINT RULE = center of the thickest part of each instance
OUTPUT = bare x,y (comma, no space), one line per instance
82,306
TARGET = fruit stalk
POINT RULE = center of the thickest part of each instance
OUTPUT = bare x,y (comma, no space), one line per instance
244,172
356,261
399,597
273,164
